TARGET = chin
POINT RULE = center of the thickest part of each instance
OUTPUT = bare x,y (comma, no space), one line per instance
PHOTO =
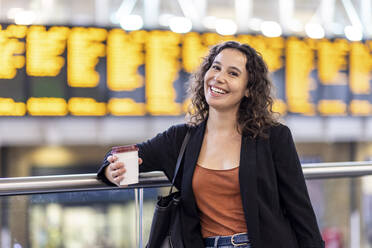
218,107
222,106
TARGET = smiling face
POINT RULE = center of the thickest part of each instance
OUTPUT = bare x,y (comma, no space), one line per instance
225,83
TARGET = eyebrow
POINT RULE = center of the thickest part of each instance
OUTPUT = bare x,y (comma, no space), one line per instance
232,67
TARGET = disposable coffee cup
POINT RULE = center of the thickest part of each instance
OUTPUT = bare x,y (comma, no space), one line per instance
129,156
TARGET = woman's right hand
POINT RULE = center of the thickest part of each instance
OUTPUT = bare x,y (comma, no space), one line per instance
115,171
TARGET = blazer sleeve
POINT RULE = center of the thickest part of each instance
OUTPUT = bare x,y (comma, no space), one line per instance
293,193
158,154
101,170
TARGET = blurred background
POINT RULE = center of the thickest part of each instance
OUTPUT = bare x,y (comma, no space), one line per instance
78,77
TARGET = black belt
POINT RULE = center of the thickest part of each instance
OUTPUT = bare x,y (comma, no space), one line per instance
236,240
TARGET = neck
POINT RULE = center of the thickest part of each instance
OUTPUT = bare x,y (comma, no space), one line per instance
222,122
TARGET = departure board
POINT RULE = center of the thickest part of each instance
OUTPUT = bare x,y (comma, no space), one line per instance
95,71
360,68
333,74
13,92
300,66
125,72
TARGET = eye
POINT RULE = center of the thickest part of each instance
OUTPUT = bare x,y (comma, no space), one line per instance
233,73
216,67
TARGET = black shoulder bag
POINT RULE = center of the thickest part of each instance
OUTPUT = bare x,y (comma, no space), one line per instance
166,224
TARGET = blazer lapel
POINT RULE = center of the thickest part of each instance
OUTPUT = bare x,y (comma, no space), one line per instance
248,187
190,215
191,157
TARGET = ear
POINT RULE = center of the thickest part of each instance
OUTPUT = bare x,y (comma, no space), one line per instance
246,93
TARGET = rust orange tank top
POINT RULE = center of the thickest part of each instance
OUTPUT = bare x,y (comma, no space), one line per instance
217,194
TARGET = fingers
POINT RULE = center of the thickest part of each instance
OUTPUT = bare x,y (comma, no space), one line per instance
118,179
140,160
112,158
116,166
116,169
118,175
118,172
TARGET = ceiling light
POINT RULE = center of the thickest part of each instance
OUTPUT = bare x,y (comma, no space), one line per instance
271,29
131,22
353,33
226,27
314,30
25,17
180,24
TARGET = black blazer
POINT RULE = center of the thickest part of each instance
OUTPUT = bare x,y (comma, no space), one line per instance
277,208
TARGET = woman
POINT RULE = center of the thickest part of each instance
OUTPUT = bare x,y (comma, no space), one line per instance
241,182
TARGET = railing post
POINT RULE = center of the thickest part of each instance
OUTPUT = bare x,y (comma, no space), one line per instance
138,195
140,217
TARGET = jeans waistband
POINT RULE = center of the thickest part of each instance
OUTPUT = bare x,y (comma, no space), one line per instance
236,240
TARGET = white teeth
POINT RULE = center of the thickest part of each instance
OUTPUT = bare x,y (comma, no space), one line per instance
217,90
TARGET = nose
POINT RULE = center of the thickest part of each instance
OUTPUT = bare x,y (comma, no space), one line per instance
219,77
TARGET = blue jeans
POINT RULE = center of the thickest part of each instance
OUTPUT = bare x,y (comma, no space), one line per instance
240,240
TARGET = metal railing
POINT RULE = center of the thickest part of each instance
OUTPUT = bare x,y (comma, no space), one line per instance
90,182
71,183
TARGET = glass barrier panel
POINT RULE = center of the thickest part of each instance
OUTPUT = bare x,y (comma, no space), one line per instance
344,210
98,219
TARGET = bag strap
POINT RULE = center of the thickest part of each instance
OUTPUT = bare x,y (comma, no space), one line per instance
179,159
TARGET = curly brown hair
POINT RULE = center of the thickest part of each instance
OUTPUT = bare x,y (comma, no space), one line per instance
255,112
